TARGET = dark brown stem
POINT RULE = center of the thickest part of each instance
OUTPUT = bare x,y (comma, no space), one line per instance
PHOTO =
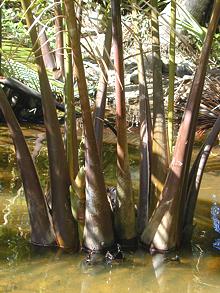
124,215
165,228
59,53
48,56
41,228
99,113
64,224
145,146
98,231
195,178
160,161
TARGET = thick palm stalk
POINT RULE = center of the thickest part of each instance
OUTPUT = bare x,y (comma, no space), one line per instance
196,92
41,228
165,228
70,115
59,53
145,147
145,135
98,231
77,177
171,74
160,146
48,57
64,224
124,215
195,178
99,113
79,11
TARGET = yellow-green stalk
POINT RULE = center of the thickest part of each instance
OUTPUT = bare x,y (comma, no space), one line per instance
171,74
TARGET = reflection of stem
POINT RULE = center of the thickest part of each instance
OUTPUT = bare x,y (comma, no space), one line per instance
15,182
196,272
38,145
200,255
158,265
7,209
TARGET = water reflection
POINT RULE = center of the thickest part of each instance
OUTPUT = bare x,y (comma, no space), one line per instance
32,270
9,178
215,215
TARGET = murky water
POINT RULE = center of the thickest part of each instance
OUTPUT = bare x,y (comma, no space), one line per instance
24,268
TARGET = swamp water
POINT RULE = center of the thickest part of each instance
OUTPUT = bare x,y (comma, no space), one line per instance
24,268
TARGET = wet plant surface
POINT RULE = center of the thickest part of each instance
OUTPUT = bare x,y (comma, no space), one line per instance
25,268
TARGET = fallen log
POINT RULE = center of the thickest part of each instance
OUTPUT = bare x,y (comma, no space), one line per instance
22,89
26,103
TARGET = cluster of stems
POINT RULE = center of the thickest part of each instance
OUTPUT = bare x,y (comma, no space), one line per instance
167,193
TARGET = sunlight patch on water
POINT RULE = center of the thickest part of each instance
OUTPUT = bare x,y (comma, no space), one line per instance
11,202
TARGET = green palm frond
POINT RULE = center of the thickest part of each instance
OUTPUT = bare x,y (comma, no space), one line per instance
28,76
191,25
